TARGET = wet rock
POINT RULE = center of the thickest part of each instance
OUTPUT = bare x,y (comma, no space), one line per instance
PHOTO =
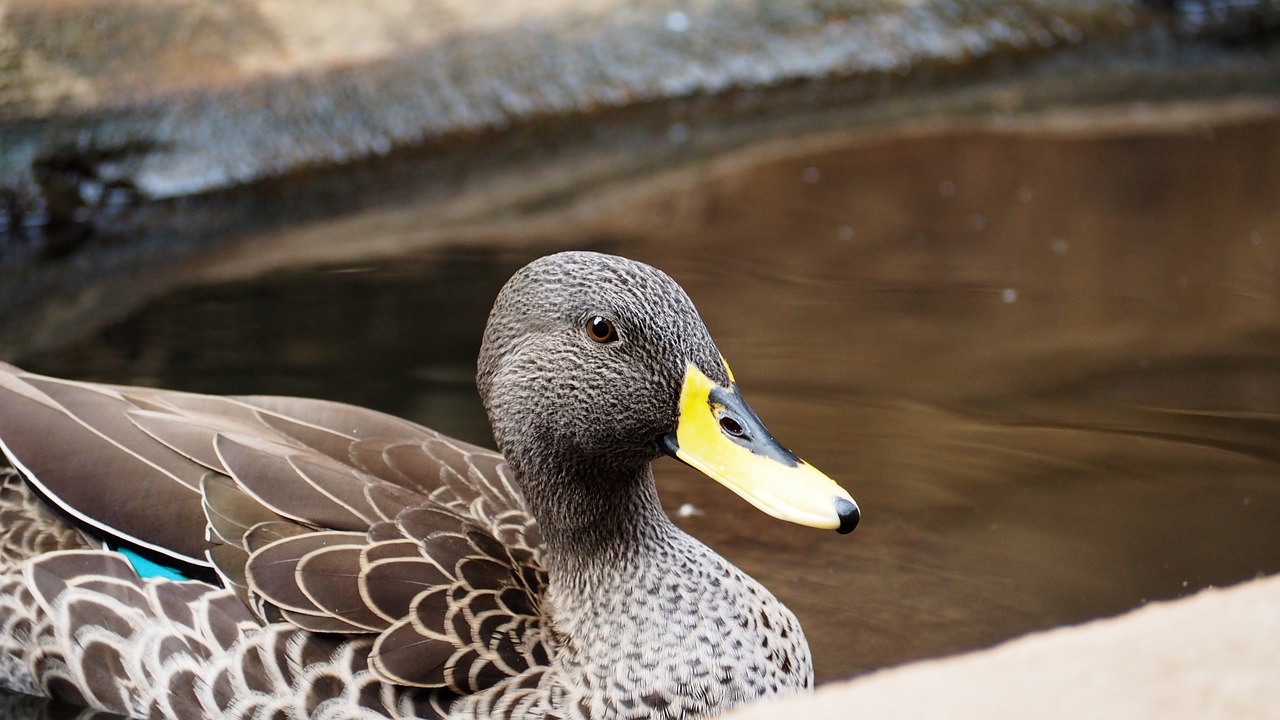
1209,656
187,96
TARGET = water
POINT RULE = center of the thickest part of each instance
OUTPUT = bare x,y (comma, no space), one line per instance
1047,364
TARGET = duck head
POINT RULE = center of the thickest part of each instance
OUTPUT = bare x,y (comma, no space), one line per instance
592,366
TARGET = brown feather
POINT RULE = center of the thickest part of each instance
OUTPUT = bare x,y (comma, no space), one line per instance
29,528
226,618
191,437
112,618
448,549
331,579
486,545
230,561
263,534
387,500
105,413
334,445
47,577
269,471
404,656
484,573
28,418
321,623
121,589
192,404
230,511
369,454
354,422
425,521
397,547
107,693
383,532
271,571
516,602
390,586
429,469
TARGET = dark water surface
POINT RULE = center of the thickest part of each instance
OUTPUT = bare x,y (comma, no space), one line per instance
1047,364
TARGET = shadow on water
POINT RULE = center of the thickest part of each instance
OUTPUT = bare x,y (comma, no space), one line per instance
1046,364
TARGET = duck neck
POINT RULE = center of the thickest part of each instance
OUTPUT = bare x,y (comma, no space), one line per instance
595,512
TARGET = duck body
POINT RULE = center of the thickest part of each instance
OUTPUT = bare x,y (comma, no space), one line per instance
346,563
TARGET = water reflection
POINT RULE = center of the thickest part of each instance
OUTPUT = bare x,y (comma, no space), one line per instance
1048,366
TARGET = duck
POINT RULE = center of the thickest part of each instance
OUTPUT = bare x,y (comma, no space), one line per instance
178,555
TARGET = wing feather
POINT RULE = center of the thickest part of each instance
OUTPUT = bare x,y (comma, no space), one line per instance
293,486
271,571
330,578
75,474
339,520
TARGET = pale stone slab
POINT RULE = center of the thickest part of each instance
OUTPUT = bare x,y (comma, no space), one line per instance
1213,655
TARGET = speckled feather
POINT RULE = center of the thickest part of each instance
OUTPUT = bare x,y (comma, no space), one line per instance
375,568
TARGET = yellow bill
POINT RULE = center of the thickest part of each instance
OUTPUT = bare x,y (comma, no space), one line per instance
720,435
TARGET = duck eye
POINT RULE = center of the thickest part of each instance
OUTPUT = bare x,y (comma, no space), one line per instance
601,330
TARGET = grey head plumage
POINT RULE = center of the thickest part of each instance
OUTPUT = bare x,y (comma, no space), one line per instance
567,409
539,370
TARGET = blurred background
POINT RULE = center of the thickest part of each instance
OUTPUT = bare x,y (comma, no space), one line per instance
1008,271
